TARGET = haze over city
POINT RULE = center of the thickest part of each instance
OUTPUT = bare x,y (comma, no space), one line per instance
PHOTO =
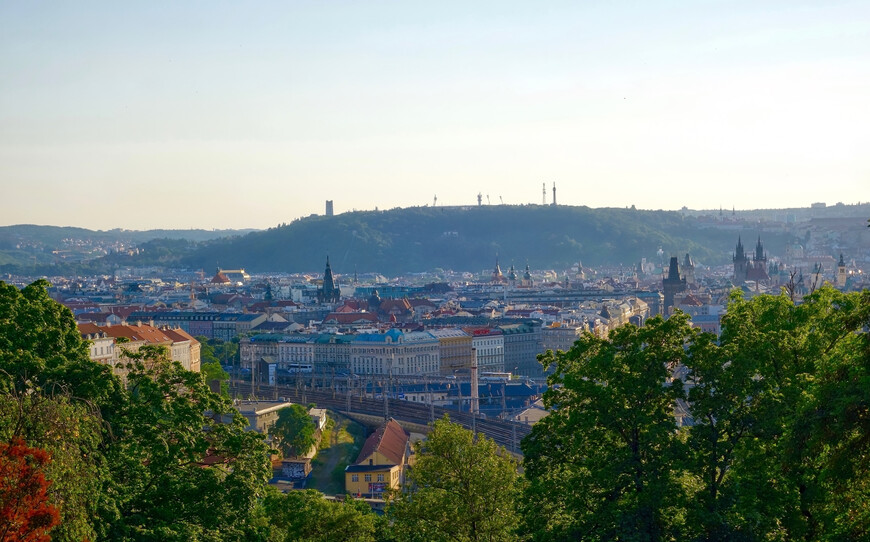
138,115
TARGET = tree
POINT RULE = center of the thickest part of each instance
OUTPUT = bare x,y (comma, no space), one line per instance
26,515
41,348
295,430
602,465
71,433
781,422
306,516
183,464
163,458
463,487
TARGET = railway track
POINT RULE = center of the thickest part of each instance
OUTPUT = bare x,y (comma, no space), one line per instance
507,434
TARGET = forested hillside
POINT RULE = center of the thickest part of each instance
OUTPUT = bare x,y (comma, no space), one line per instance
424,238
395,241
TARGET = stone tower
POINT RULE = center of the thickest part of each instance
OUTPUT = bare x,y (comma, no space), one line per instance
741,263
672,284
689,269
841,272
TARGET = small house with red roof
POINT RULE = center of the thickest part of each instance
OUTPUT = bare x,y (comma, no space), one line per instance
381,463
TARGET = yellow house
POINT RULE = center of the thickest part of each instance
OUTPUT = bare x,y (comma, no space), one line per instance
381,462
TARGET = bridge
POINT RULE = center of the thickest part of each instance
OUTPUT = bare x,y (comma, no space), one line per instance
504,433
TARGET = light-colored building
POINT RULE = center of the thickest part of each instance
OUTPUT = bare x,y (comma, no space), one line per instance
395,352
488,342
180,346
456,348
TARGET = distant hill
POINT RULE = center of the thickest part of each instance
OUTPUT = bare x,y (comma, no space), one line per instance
469,238
416,239
34,249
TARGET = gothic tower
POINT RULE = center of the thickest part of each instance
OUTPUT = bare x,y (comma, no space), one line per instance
329,292
672,284
741,263
689,269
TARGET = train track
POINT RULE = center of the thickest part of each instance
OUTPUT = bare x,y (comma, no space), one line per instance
504,433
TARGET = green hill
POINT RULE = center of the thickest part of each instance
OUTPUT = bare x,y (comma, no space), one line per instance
469,238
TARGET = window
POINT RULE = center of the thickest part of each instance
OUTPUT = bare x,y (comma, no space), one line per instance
368,477
354,477
380,477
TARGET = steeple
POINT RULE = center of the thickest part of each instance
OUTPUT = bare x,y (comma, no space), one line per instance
329,293
496,273
759,250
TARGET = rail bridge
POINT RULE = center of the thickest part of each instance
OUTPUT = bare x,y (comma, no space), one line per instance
505,433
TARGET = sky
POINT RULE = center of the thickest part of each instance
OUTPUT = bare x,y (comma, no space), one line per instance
216,114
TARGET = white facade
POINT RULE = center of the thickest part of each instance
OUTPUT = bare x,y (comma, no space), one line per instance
490,352
394,352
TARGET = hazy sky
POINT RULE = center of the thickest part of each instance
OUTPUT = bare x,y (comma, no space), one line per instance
248,114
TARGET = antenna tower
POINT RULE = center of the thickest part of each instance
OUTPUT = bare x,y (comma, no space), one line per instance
435,202
479,199
543,193
554,194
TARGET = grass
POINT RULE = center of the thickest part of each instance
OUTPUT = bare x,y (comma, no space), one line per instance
341,443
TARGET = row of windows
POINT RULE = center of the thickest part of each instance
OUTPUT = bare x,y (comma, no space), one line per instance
366,477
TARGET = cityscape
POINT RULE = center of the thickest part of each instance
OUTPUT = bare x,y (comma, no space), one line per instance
395,272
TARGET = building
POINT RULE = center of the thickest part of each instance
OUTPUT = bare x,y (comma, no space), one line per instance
455,347
689,270
212,325
746,269
332,353
261,415
396,353
560,336
329,291
672,284
522,344
180,346
488,342
381,463
329,208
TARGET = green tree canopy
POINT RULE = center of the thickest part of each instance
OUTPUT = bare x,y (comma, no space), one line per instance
462,488
41,348
295,430
306,516
184,467
777,438
601,465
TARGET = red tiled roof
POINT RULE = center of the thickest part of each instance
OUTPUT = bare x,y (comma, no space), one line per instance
220,278
350,317
178,335
389,439
144,332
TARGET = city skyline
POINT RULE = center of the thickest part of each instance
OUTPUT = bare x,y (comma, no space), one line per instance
229,116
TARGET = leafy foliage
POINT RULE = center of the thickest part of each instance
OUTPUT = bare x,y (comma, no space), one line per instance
305,516
463,487
41,348
163,458
776,451
25,512
183,464
603,463
295,430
